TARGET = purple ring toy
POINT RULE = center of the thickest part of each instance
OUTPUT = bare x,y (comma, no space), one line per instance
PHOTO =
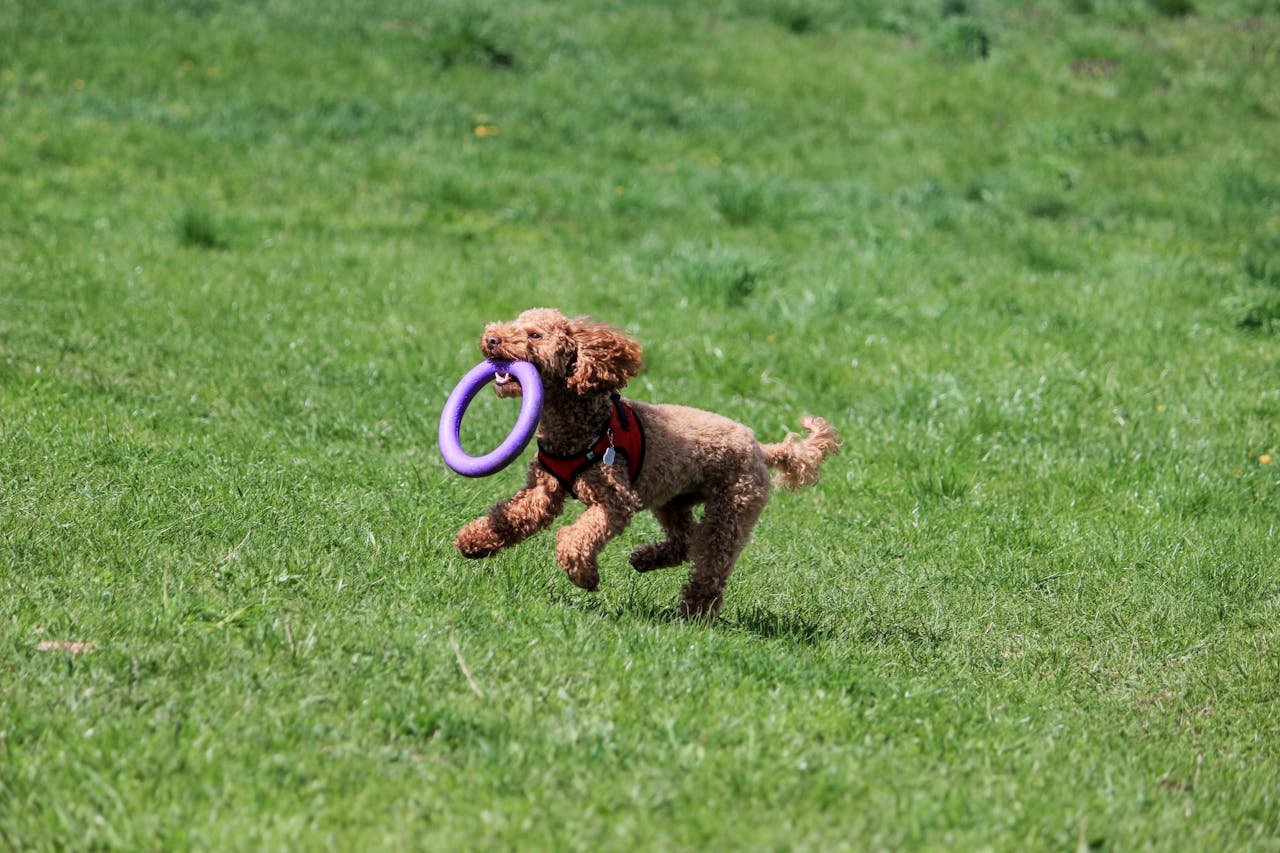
506,452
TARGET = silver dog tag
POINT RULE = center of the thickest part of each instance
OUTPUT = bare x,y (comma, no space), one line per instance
609,456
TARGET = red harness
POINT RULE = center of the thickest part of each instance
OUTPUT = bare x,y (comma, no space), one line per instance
623,434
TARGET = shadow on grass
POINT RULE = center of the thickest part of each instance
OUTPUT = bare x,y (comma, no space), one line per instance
639,611
882,633
772,625
762,622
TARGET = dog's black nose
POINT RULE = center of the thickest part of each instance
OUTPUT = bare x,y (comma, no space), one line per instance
491,343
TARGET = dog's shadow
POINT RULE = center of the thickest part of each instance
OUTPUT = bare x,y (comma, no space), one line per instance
763,623
772,625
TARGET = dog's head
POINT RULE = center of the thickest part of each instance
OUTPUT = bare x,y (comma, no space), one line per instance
579,354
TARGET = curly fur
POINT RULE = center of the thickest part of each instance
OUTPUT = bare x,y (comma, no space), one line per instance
692,458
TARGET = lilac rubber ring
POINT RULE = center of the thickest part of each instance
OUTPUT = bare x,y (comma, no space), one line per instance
506,452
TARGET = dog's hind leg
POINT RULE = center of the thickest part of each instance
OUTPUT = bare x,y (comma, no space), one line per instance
719,538
677,522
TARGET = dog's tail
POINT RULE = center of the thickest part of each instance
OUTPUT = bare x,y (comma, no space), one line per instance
797,459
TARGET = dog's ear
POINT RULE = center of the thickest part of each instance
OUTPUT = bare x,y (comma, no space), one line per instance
606,358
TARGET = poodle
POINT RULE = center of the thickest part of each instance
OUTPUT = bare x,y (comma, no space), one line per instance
676,458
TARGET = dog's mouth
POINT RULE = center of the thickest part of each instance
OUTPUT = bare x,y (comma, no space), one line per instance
506,385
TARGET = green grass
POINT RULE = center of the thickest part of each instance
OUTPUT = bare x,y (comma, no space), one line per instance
1025,259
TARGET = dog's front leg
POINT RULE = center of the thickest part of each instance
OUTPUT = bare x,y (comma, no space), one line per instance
514,520
610,505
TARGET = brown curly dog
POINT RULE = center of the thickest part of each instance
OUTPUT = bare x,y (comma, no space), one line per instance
590,447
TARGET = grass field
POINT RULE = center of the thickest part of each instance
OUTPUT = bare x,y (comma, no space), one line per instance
1027,260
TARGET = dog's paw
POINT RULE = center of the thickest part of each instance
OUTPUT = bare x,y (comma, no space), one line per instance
580,566
658,555
700,608
588,579
477,540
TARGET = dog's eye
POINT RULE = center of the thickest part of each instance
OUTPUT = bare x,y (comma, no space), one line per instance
535,336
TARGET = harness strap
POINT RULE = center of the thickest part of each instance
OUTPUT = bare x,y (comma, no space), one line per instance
623,433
